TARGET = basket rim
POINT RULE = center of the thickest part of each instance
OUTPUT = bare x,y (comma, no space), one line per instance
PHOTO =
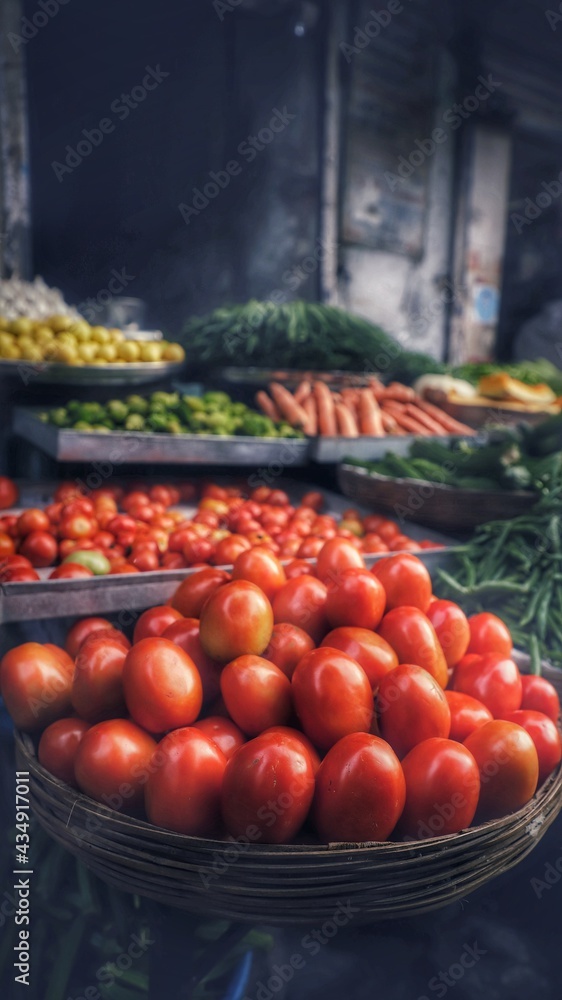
392,850
453,491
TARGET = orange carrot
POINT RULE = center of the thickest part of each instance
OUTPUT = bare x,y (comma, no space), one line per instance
347,424
398,411
311,409
302,391
451,425
414,411
370,418
389,423
289,409
267,405
400,393
326,411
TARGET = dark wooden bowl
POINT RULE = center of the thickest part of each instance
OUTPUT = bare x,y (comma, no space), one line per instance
444,507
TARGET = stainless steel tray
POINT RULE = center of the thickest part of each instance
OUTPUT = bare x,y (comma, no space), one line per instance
122,447
335,449
133,373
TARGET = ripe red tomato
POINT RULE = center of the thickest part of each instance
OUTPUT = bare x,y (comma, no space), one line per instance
236,619
488,634
442,788
183,792
371,543
509,767
371,651
223,732
34,685
540,695
192,592
298,735
287,646
467,714
7,547
155,621
411,707
302,602
413,638
336,555
81,630
256,693
162,685
544,735
9,493
267,789
62,656
112,764
297,567
494,680
356,599
144,559
97,686
406,581
19,574
313,499
78,526
332,696
40,547
70,571
58,745
360,791
185,633
197,550
260,566
452,628
32,519
228,549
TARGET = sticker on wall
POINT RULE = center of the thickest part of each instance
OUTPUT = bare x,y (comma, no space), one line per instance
485,304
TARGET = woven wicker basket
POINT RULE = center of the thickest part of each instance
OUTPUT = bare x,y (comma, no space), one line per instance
444,507
299,883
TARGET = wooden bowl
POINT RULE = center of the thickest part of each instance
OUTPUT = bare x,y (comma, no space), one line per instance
444,507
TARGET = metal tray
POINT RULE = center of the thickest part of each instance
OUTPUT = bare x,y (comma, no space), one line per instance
42,599
334,449
121,447
50,372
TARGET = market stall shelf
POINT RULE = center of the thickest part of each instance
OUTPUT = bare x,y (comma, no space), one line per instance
127,373
126,447
285,884
329,450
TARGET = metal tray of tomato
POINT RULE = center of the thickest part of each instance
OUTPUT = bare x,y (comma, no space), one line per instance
123,592
122,447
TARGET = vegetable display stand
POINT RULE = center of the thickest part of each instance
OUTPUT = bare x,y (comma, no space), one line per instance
438,506
289,884
126,447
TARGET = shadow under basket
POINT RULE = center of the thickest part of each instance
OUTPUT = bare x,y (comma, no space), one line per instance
446,508
286,884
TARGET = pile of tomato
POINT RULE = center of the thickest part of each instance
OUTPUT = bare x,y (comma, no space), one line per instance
350,705
114,531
